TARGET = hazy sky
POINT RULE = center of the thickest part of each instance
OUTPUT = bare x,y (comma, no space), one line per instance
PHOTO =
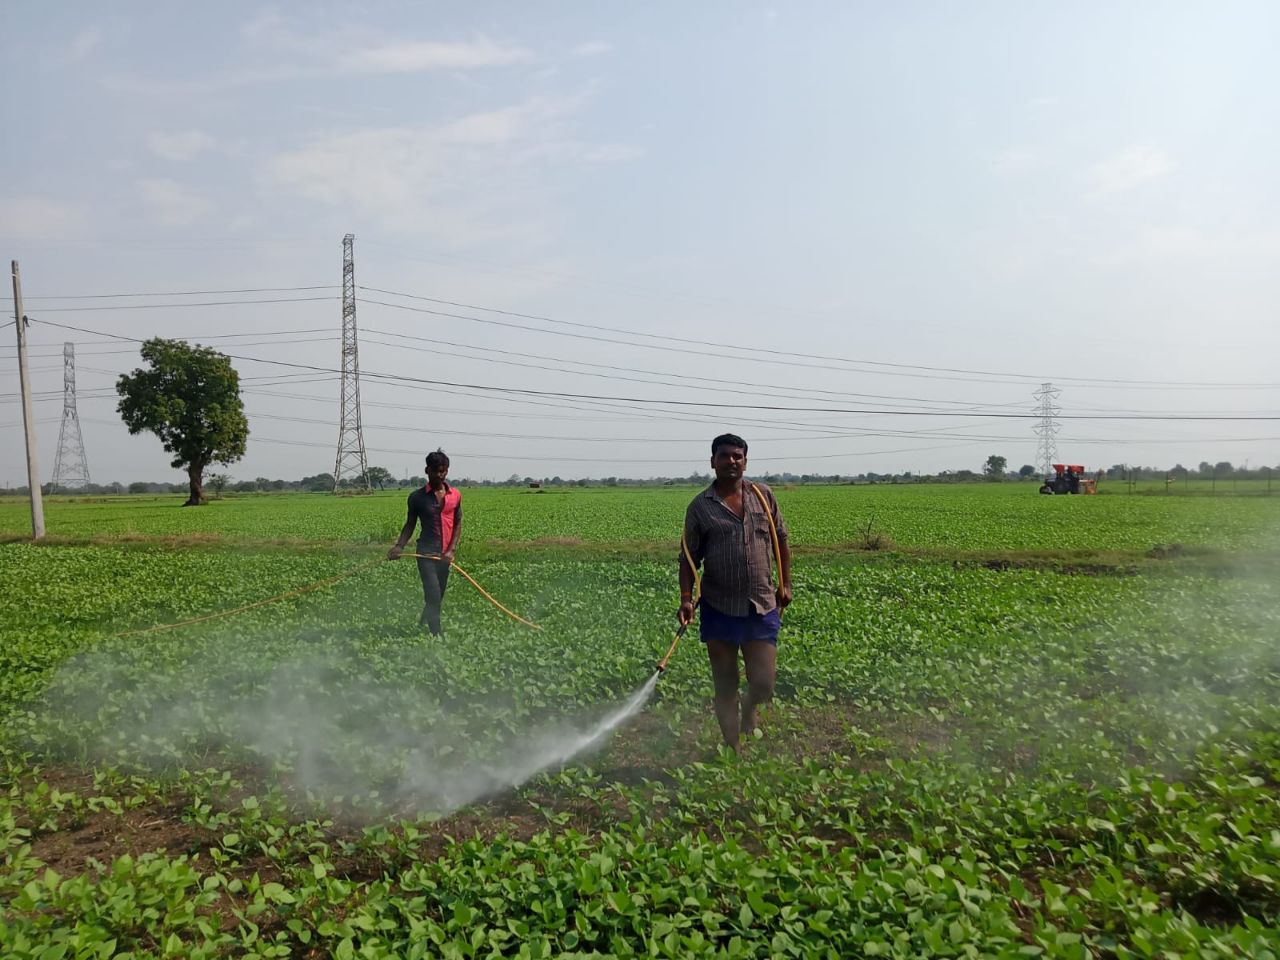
916,207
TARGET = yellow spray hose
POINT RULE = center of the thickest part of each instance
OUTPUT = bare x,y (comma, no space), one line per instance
307,588
697,580
773,531
472,580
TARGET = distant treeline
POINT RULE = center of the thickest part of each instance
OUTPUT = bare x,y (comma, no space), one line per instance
382,479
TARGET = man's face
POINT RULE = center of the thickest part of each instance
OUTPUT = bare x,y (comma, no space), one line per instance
729,463
436,474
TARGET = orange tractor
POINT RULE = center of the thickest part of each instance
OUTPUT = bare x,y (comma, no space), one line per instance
1068,478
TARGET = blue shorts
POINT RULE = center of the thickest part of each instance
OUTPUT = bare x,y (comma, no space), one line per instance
714,625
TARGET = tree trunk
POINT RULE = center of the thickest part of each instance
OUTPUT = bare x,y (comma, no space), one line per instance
195,474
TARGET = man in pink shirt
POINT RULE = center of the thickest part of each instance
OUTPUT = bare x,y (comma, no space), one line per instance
438,507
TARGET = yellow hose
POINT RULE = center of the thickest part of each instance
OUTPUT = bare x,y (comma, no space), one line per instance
773,530
472,580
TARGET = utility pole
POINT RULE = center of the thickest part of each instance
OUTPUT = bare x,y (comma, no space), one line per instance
28,413
351,456
70,466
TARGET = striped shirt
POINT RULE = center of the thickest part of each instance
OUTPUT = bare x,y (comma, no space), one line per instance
735,553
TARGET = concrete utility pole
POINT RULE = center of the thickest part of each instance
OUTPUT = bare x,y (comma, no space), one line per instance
28,413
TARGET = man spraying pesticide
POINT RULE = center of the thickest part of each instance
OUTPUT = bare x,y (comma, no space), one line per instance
729,530
438,508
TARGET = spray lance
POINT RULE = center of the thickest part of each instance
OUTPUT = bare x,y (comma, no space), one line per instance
697,579
697,593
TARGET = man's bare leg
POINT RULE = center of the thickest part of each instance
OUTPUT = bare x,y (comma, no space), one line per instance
724,675
761,658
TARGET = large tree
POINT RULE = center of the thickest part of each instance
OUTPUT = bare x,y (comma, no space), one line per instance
190,399
379,477
995,466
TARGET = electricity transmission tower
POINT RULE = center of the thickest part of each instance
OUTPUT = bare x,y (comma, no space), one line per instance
70,466
1047,427
351,459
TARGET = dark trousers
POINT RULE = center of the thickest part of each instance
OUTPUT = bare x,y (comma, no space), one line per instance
435,577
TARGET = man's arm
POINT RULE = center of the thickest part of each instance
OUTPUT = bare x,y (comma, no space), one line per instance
457,532
685,613
784,594
406,532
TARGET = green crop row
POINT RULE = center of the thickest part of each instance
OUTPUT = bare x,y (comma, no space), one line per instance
960,517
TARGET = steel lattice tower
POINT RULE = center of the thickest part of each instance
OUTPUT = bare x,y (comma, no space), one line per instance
1047,428
70,466
351,459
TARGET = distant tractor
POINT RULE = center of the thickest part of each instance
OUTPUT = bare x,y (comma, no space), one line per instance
1068,478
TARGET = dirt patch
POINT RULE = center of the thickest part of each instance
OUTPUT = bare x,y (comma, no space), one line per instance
1173,551
557,542
648,751
103,836
1088,568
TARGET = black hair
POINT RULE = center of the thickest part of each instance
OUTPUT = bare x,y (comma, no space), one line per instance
728,440
437,458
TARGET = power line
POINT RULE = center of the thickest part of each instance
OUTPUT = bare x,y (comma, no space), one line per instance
652,346
722,385
934,372
259,343
684,460
181,306
402,428
179,293
526,391
967,404
211,336
668,338
656,373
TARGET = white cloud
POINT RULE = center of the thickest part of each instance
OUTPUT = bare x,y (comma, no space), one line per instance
172,204
474,179
414,57
266,24
83,44
1012,162
1160,244
277,52
180,146
592,48
1132,167
38,218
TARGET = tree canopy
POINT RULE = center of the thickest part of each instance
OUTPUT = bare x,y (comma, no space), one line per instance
189,397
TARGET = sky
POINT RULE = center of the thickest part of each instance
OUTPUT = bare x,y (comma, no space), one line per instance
860,235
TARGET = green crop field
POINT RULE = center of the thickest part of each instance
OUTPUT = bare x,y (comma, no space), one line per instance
1019,726
982,517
